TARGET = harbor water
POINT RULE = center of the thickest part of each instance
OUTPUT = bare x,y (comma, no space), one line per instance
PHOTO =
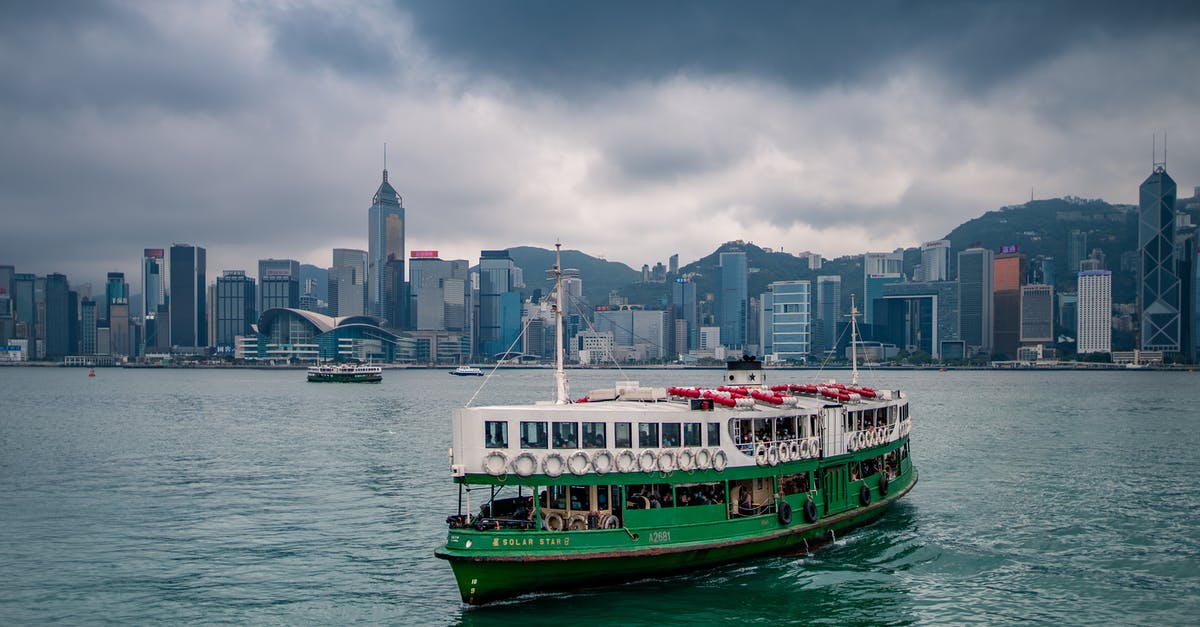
251,497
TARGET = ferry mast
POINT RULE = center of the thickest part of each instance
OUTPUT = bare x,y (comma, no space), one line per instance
853,342
560,376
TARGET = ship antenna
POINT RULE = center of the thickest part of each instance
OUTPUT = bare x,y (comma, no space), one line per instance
853,342
560,376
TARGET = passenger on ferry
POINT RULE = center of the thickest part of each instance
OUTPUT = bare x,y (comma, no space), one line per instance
745,506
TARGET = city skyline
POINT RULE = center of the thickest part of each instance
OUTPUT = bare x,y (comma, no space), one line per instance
256,131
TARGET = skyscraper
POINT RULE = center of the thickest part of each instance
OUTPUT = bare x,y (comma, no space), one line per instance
116,291
1037,314
734,302
87,327
687,310
188,296
499,325
1008,276
58,320
438,292
1158,284
1077,250
24,306
347,282
152,280
829,310
234,309
975,267
1094,321
879,269
789,319
385,226
278,284
935,260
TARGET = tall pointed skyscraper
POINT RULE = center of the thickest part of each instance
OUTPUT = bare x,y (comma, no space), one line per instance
385,253
1158,281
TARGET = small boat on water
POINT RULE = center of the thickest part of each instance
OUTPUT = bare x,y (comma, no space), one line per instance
467,371
345,373
632,482
92,372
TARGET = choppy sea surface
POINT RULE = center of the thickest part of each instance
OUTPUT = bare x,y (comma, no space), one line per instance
251,497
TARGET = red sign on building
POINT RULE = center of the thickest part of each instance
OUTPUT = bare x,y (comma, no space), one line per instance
423,254
153,253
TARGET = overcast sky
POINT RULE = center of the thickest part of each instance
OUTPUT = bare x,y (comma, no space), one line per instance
629,130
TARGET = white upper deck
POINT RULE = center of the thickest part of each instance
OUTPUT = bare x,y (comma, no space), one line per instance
629,428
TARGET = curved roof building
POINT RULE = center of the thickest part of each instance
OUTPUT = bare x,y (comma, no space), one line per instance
286,333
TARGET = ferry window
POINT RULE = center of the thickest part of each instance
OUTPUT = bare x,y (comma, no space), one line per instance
533,434
714,434
794,484
581,499
670,434
495,434
623,435
648,434
566,435
558,496
691,434
601,497
593,435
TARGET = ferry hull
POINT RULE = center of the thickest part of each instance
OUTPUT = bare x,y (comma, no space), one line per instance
345,379
494,577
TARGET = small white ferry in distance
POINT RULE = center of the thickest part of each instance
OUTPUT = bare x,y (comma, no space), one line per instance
345,373
467,371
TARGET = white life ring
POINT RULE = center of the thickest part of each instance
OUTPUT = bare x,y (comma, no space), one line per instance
647,461
760,454
686,460
577,463
852,442
602,462
666,460
794,450
703,458
553,465
577,522
720,460
496,463
773,455
610,522
784,452
554,521
805,448
625,461
524,464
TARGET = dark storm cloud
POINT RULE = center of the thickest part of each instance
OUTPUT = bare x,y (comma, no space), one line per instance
332,38
584,47
255,128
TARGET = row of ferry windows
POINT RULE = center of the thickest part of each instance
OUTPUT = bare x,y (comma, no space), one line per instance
567,435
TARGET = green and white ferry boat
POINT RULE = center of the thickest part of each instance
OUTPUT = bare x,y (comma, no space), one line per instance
636,481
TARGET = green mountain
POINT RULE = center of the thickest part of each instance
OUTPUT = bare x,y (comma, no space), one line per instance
1037,228
599,276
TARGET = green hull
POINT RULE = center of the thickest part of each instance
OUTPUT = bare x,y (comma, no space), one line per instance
500,564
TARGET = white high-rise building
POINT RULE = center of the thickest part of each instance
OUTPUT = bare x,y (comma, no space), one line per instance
1095,312
935,260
